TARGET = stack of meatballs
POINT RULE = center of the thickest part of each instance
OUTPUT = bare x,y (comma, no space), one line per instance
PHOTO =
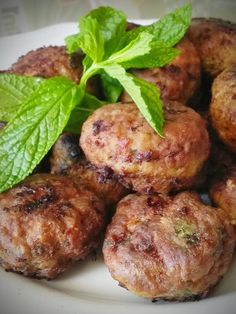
120,183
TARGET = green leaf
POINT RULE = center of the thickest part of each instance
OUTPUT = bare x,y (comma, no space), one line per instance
14,90
140,46
112,23
112,26
145,95
90,39
169,30
111,87
81,112
158,56
35,128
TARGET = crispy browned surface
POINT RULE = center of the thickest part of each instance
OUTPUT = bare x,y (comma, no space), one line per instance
170,248
46,223
48,62
223,107
117,136
177,81
223,193
215,41
68,159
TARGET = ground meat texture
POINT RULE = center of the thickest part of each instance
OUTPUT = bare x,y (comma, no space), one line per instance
48,62
223,107
223,193
117,136
46,224
168,248
215,41
67,158
177,81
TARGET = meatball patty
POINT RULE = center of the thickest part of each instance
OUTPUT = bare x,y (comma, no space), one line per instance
117,136
215,41
68,159
223,107
168,248
48,62
180,79
223,193
46,223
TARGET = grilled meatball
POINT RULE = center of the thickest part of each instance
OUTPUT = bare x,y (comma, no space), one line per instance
117,136
48,62
46,223
177,81
168,248
67,158
53,61
223,107
223,193
215,41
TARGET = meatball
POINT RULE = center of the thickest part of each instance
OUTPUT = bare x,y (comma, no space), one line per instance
68,159
168,248
48,62
177,81
46,223
117,136
223,107
223,193
215,41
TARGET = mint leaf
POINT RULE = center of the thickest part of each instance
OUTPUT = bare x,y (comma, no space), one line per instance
111,87
169,30
140,46
82,111
35,128
145,95
14,90
90,39
157,57
112,23
112,26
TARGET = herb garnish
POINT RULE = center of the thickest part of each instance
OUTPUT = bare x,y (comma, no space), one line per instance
38,110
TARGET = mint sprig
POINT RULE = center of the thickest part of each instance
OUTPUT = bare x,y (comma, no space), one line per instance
38,110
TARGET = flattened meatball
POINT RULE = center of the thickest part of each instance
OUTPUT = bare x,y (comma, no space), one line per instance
177,81
223,193
68,159
48,62
223,107
215,41
117,136
168,248
46,224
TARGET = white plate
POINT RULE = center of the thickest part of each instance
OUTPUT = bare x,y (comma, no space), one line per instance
88,287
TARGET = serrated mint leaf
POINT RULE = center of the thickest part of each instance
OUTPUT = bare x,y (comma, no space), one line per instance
14,90
169,30
158,56
72,43
112,23
81,112
35,128
140,46
111,87
90,39
145,95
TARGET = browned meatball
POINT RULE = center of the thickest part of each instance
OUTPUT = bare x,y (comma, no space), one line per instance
168,248
46,223
223,193
223,107
215,41
177,81
117,136
48,62
67,158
